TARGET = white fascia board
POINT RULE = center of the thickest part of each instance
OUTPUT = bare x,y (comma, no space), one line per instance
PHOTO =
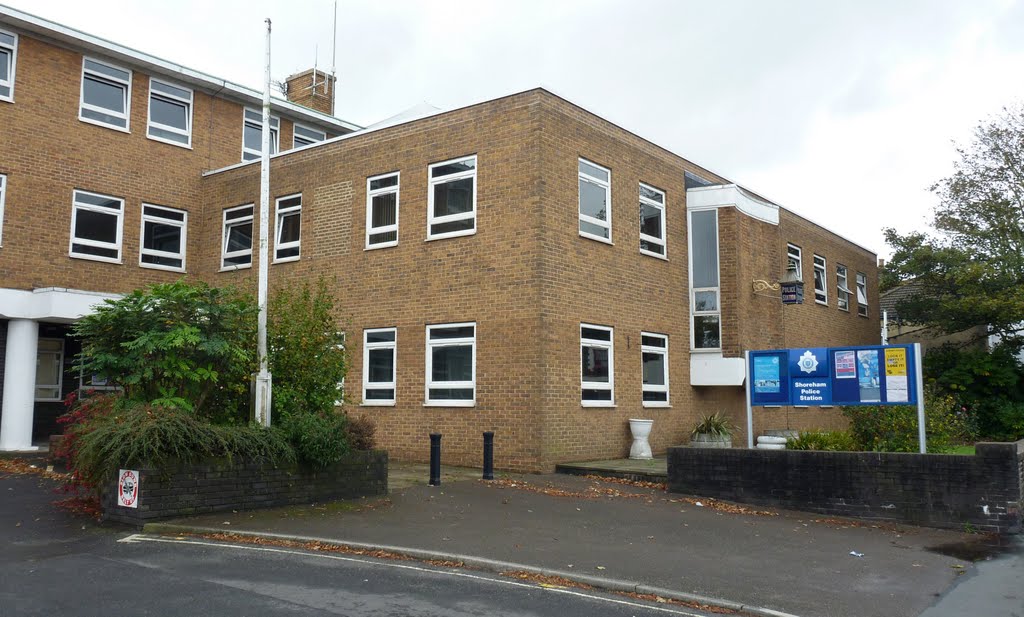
50,303
711,369
164,68
732,195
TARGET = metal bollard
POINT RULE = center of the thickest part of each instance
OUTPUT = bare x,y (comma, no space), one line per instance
488,455
435,459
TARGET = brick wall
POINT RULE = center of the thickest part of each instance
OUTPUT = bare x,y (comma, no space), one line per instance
217,486
934,490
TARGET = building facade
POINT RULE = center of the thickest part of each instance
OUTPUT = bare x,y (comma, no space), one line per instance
521,265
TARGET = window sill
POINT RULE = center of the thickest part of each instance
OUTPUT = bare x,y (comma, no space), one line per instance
158,267
233,268
170,142
650,405
450,404
825,303
112,127
383,245
377,404
286,260
454,234
607,404
7,99
717,350
655,255
109,260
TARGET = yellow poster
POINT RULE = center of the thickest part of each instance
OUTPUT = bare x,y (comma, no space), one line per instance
895,362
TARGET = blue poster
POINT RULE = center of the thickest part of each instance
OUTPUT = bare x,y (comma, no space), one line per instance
766,375
867,376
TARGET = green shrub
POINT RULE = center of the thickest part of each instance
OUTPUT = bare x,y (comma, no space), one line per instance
713,424
893,428
1000,419
319,439
833,441
989,386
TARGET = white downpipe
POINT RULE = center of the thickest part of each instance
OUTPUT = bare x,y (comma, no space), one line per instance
263,379
19,385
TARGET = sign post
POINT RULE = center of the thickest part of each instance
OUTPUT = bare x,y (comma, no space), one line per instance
919,373
750,409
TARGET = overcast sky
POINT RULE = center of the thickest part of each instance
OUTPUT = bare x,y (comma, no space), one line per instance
844,112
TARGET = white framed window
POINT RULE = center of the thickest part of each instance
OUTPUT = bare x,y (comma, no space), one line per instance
654,357
452,196
380,347
795,261
382,210
820,282
451,365
597,366
49,369
8,63
595,201
304,135
163,238
862,294
288,223
252,134
236,245
842,288
3,198
652,221
170,113
106,94
96,226
705,291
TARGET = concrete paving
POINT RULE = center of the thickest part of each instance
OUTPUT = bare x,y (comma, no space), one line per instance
572,526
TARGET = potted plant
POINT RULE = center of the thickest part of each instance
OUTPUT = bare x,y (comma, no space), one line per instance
713,431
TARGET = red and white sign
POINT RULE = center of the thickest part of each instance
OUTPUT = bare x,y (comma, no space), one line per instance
128,488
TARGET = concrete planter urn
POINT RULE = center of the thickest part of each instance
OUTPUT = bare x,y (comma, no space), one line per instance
641,448
713,431
708,440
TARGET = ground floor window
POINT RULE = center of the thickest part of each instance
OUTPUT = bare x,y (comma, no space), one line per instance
654,355
379,350
451,365
49,369
597,375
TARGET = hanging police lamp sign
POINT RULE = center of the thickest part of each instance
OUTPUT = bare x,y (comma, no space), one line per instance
793,293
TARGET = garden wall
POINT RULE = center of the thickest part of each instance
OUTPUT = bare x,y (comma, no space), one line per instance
218,485
981,492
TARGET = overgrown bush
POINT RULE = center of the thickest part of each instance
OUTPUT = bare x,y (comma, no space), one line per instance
319,438
832,441
361,433
893,428
988,385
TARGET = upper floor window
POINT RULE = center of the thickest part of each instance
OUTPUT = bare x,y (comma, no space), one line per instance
595,201
252,134
652,221
288,224
862,294
451,365
597,366
379,349
820,288
96,226
382,211
170,113
452,195
8,62
106,94
3,196
303,136
654,355
163,238
842,288
794,261
705,308
236,247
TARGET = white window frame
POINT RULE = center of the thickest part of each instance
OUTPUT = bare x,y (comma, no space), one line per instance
380,385
795,255
694,313
126,116
450,218
151,124
607,186
257,121
9,83
449,342
60,373
370,194
598,385
224,254
76,207
644,348
663,241
154,217
296,127
3,199
279,214
842,288
820,264
862,294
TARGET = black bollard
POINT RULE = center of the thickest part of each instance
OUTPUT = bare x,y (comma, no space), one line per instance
435,459
488,455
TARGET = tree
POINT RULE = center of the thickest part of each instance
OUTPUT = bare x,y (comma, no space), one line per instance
972,271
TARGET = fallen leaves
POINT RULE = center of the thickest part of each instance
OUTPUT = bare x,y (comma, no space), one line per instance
312,545
88,505
591,492
660,486
650,597
544,580
722,506
21,467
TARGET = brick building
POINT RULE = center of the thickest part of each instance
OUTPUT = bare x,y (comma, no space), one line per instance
520,265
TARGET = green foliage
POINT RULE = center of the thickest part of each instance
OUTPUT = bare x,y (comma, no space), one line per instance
305,352
713,424
893,428
319,438
176,345
833,441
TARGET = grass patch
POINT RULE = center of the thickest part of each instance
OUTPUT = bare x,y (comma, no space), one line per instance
968,450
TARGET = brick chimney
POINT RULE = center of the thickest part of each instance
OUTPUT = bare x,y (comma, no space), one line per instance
301,90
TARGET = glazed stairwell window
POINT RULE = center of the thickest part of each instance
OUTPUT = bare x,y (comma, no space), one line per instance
382,211
170,113
705,307
654,355
820,283
595,184
252,134
652,221
379,351
597,370
452,196
288,222
163,238
862,294
8,62
451,365
842,288
106,94
236,247
305,136
96,227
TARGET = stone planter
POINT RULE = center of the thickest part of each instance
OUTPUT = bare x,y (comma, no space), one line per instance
706,440
641,448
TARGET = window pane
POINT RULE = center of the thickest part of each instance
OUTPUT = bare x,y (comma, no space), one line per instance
706,334
97,200
597,395
650,221
289,231
106,70
239,213
444,228
705,301
452,168
161,237
103,94
93,250
654,368
591,170
252,137
384,182
594,230
170,262
704,227
450,333
390,236
240,260
453,363
172,90
164,214
240,237
595,364
5,65
453,197
593,200
655,397
596,334
380,337
97,226
170,113
652,341
7,39
819,280
451,394
384,210
381,365
652,247
380,394
651,194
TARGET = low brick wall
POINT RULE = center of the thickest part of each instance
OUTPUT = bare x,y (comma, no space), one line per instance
983,492
218,485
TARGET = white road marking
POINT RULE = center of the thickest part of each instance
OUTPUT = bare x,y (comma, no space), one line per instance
136,538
